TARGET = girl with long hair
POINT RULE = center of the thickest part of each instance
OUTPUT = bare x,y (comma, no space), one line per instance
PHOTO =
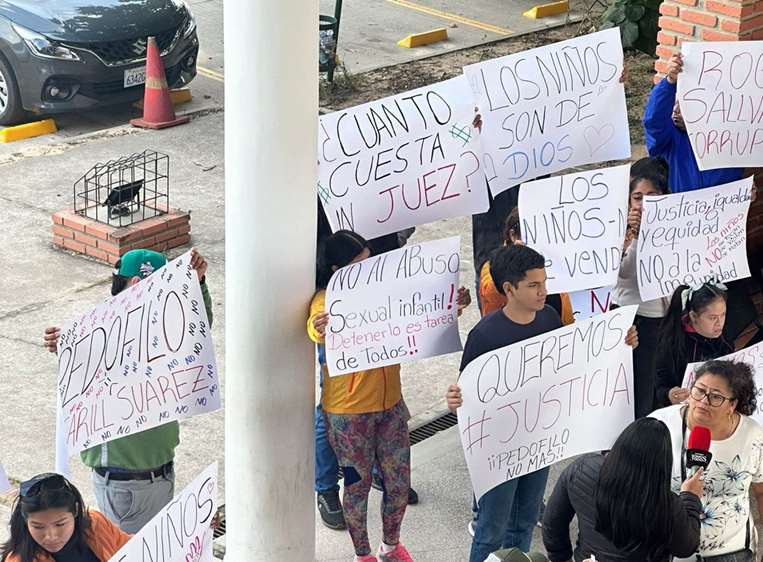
626,510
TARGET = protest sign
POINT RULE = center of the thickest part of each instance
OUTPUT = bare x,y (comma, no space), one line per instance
578,223
5,486
691,237
590,302
181,531
138,360
720,93
551,108
394,308
753,356
547,398
402,161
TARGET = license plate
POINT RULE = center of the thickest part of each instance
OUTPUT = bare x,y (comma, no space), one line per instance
135,77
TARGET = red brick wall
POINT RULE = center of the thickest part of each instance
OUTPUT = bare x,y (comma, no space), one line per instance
108,243
705,20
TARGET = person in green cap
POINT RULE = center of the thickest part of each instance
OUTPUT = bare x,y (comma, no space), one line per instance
133,476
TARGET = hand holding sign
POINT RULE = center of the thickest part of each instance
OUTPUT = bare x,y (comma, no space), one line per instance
142,359
546,398
720,94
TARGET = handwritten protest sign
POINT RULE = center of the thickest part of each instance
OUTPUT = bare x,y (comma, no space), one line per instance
402,161
688,238
394,308
4,484
590,302
753,356
720,92
578,223
550,397
180,532
139,360
551,108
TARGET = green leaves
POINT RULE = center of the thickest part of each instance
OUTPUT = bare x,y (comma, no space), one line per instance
637,20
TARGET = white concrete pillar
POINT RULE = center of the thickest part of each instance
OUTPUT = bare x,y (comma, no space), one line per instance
271,102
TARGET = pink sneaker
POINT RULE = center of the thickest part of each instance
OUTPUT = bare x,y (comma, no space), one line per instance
400,554
366,558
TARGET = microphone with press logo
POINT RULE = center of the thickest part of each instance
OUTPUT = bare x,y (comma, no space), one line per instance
698,454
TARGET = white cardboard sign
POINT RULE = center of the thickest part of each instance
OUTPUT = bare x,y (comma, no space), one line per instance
402,161
181,531
396,307
590,302
5,486
688,238
138,360
547,398
551,108
720,92
578,222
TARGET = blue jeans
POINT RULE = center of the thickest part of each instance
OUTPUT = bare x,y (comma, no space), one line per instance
508,514
326,465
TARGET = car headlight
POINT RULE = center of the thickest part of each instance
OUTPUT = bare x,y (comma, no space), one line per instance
43,47
190,25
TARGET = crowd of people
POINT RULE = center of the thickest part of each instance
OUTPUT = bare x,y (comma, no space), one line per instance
635,502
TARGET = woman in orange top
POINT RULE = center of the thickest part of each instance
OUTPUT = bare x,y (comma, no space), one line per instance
491,299
51,523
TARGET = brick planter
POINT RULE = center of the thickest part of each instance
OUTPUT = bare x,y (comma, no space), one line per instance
705,20
108,243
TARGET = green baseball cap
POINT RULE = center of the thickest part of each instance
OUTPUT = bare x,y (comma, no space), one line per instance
140,263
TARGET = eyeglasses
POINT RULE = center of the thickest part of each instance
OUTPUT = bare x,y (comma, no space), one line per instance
48,480
713,399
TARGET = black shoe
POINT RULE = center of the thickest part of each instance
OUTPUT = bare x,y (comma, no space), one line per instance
413,497
330,509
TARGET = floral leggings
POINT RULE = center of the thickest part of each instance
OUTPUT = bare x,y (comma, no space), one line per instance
359,440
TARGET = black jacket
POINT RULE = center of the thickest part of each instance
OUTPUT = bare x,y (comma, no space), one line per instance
671,363
575,494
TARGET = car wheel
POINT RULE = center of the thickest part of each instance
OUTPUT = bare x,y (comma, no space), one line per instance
11,111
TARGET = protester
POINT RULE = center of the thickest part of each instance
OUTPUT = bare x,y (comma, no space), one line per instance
326,464
623,502
366,418
666,136
491,299
50,522
722,399
134,476
691,331
508,513
649,176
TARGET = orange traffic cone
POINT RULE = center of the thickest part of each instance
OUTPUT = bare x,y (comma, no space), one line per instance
158,112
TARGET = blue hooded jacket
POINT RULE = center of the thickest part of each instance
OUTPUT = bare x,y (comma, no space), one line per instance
664,139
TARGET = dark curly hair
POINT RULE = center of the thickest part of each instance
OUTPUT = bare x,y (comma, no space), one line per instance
740,379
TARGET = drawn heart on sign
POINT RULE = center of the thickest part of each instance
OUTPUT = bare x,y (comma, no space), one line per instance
597,138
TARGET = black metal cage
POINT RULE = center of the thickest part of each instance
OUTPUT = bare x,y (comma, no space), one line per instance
124,191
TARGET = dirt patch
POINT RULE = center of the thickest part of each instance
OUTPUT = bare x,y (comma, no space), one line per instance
353,89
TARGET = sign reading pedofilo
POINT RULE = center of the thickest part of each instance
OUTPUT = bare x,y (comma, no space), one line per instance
138,360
